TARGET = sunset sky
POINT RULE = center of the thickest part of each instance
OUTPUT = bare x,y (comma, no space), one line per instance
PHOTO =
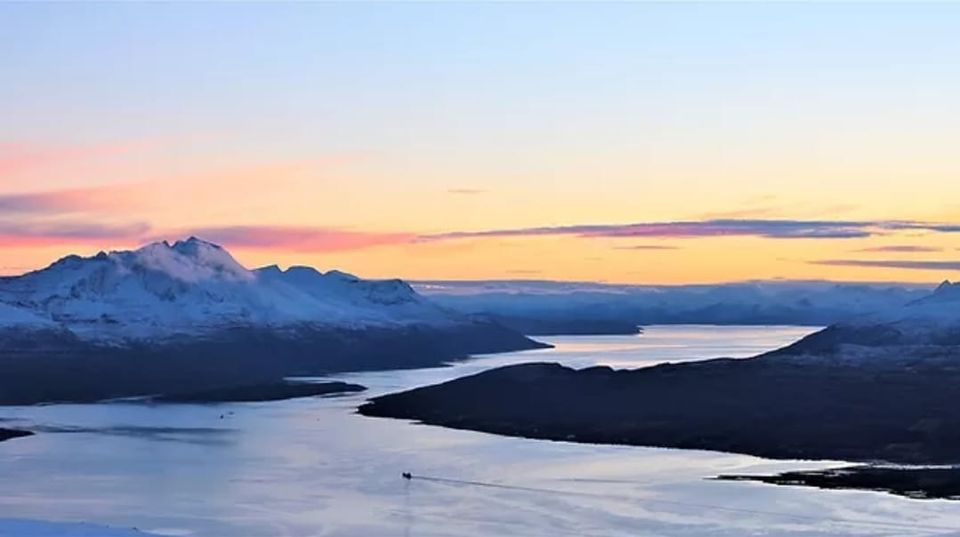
647,143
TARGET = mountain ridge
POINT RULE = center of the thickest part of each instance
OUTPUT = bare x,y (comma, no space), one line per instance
186,317
192,286
812,303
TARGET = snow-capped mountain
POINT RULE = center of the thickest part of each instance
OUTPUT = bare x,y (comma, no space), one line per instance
937,310
171,318
943,304
923,329
192,286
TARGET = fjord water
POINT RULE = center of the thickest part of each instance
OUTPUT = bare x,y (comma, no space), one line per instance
312,467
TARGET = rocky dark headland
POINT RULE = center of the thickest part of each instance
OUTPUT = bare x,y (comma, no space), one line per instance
916,483
272,391
7,434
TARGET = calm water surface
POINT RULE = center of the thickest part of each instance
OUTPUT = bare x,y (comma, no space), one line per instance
312,467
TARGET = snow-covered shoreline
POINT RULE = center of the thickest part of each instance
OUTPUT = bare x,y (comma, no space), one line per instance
16,527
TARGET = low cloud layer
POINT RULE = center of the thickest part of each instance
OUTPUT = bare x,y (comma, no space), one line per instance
765,228
17,158
901,248
64,232
646,247
890,263
77,216
303,239
59,202
466,191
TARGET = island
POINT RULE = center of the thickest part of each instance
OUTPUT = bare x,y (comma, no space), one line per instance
269,391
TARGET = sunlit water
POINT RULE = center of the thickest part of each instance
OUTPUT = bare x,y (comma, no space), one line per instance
313,467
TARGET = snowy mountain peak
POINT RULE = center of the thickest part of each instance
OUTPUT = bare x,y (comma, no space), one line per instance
946,293
340,275
189,260
193,245
193,285
941,307
944,286
268,270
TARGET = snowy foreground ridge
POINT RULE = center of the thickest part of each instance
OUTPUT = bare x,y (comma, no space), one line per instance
36,528
192,285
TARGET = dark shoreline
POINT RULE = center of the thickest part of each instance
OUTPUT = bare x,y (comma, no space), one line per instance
57,367
271,391
913,483
8,434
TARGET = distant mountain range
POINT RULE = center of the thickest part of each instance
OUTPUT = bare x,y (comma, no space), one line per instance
193,287
187,316
542,307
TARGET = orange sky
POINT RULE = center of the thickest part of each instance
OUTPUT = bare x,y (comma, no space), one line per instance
645,143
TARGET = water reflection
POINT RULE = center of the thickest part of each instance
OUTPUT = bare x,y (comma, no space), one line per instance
313,467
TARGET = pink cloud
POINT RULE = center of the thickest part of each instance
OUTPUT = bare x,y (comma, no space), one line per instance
299,238
63,201
36,234
466,191
771,228
20,157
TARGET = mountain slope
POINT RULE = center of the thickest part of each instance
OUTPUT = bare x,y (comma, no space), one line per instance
194,286
169,318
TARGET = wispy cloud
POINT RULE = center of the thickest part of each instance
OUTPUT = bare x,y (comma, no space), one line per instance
78,232
900,248
466,191
647,247
60,201
65,217
22,233
38,218
771,206
21,157
781,229
298,238
923,226
890,263
727,227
